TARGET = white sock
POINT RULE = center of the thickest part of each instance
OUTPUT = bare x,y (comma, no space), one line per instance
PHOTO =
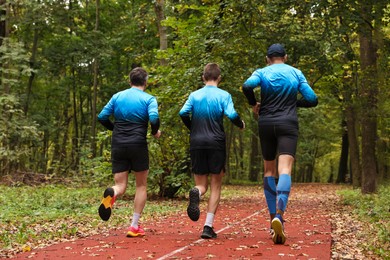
134,222
209,219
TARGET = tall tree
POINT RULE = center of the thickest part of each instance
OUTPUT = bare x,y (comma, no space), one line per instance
4,33
350,82
369,94
95,85
162,30
4,21
343,164
255,159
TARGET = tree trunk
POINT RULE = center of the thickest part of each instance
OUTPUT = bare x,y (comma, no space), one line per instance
75,138
236,159
229,139
162,30
354,157
3,22
383,159
343,163
45,150
254,160
95,88
309,173
32,66
369,89
4,33
241,150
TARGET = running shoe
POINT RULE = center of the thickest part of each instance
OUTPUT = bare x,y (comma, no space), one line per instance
106,205
135,232
277,225
208,232
193,211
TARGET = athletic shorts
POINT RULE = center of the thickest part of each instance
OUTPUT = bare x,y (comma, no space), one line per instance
205,161
130,158
278,139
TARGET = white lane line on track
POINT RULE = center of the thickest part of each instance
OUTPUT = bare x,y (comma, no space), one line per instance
199,241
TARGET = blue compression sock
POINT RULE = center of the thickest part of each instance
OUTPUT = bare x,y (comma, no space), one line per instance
283,191
270,193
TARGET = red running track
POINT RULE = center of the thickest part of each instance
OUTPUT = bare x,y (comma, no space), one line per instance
242,226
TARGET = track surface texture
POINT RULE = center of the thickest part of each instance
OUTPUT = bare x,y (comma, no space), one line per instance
242,224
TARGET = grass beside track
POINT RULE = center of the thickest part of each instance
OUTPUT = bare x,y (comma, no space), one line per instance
375,210
32,216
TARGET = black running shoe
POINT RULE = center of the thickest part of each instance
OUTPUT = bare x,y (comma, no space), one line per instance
106,205
193,207
208,233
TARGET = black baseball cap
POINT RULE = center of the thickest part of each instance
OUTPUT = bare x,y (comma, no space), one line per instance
276,50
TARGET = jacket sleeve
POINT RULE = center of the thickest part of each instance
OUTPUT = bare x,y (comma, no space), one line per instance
185,112
106,112
250,84
231,113
153,115
309,98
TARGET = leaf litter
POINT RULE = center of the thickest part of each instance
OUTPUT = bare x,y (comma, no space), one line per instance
349,235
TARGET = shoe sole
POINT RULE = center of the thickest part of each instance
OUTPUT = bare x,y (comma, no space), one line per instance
105,206
132,234
208,236
278,237
193,211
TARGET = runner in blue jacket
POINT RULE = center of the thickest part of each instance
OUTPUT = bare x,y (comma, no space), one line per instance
132,109
278,127
203,115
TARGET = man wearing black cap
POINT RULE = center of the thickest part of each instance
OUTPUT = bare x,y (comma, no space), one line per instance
278,127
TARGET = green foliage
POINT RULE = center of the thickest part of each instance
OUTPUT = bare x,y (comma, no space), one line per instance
18,135
14,63
375,209
96,170
53,45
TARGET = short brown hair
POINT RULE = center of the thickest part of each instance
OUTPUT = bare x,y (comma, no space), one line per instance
138,77
211,71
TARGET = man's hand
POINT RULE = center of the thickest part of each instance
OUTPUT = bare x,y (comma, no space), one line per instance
243,125
158,134
256,109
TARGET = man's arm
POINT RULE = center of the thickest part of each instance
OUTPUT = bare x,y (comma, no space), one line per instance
185,113
305,103
247,88
249,94
155,125
309,98
107,124
187,121
238,122
231,113
104,115
153,115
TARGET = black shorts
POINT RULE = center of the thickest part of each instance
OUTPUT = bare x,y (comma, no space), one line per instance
278,139
130,158
205,161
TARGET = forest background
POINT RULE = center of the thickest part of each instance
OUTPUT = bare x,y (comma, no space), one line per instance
61,61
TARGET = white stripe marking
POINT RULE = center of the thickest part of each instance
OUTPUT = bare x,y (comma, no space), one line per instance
201,240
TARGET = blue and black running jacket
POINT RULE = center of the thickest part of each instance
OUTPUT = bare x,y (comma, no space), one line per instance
132,109
207,107
280,84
